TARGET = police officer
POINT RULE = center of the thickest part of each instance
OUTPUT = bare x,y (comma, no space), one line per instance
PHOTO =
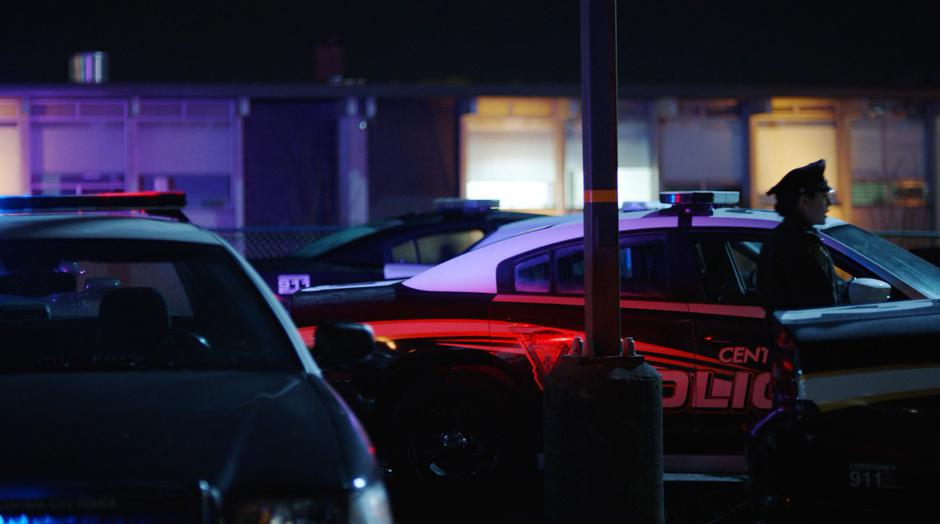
795,269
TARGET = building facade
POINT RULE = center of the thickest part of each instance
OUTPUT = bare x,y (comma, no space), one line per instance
325,155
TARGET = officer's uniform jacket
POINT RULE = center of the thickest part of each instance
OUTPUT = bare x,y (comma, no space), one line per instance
795,268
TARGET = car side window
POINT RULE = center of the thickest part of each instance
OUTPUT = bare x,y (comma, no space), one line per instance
405,252
569,269
533,275
642,270
436,248
728,269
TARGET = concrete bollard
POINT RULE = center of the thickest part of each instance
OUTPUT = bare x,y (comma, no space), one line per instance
603,441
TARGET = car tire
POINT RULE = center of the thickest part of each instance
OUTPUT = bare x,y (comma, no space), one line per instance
467,430
771,498
763,500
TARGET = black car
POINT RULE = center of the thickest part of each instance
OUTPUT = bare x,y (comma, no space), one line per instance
856,418
389,248
147,375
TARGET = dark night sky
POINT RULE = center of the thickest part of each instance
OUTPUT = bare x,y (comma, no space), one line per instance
505,42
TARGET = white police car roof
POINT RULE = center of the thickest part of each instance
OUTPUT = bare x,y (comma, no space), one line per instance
72,225
524,226
475,270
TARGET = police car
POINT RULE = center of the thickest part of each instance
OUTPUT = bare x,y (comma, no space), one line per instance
454,387
148,375
389,248
854,429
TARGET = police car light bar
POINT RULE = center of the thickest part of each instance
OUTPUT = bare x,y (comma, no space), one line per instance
156,203
640,206
464,205
713,198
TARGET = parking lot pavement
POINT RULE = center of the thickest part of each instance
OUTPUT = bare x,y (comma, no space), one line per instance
687,500
696,499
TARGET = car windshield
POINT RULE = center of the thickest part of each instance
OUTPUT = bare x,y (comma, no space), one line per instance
343,237
905,266
102,304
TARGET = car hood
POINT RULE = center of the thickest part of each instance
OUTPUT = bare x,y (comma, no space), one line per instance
238,431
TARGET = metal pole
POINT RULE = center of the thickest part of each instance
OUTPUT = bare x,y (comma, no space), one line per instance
602,410
599,124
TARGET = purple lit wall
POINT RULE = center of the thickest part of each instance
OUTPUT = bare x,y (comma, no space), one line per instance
413,155
290,163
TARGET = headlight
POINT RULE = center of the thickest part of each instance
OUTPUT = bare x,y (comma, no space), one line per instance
368,505
302,511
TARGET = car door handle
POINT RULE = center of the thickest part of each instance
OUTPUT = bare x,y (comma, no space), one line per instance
716,340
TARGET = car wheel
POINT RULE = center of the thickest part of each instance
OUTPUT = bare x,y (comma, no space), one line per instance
457,433
768,497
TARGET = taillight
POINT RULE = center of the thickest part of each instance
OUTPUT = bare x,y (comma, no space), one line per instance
787,375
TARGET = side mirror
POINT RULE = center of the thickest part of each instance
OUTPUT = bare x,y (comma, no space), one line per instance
402,270
868,291
342,344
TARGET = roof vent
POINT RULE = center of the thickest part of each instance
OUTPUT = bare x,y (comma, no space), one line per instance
88,67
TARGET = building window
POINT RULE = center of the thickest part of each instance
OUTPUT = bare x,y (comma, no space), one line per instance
86,146
190,146
11,176
511,152
203,190
794,133
634,164
701,146
77,147
887,142
527,153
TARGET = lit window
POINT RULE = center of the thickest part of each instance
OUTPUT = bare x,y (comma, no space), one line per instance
513,160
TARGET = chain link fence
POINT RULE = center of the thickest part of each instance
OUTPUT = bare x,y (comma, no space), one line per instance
275,241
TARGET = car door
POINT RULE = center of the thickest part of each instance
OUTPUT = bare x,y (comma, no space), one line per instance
732,381
732,378
540,308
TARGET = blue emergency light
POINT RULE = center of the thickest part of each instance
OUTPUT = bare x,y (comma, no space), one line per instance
711,198
155,203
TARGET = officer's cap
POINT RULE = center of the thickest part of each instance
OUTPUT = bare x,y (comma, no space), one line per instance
804,180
